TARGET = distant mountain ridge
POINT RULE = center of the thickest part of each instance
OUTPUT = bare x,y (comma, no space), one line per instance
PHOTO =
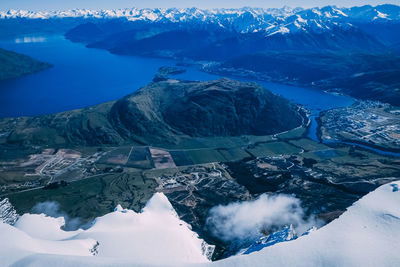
235,41
271,21
317,47
219,34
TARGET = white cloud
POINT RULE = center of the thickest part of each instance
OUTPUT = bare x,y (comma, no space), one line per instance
246,220
52,209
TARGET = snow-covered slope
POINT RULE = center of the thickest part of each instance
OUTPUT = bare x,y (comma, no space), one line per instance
16,244
367,234
156,235
272,21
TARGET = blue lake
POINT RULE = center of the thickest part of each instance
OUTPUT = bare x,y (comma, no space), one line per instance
82,77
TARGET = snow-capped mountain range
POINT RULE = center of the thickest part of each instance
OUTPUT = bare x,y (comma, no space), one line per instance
272,21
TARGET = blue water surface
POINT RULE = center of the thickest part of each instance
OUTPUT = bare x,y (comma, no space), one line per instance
80,77
83,76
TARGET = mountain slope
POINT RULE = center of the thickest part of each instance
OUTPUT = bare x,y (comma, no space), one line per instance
363,75
365,235
241,19
13,65
217,44
285,21
375,25
162,112
156,234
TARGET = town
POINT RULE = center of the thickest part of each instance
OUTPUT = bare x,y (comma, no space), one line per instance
368,122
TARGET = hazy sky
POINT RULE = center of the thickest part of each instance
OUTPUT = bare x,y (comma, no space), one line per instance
108,4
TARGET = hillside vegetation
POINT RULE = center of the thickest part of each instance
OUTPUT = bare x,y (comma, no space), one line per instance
13,65
163,112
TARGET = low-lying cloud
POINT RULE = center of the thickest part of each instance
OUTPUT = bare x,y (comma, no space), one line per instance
53,209
267,213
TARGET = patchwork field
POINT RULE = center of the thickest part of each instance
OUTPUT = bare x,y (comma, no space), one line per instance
327,179
129,175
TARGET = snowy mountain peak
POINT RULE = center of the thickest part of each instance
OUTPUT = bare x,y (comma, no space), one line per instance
155,235
159,203
188,14
272,20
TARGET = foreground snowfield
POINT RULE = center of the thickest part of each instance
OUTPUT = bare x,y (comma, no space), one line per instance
367,234
155,235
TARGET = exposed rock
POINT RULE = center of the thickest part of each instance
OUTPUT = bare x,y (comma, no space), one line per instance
7,212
